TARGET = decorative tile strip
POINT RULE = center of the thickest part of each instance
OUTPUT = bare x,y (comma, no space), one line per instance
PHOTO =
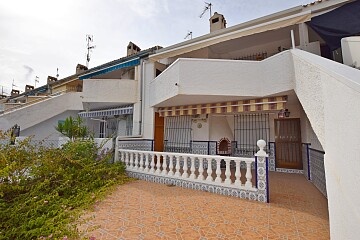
272,166
286,170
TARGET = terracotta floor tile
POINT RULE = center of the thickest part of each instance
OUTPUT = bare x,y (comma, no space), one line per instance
143,210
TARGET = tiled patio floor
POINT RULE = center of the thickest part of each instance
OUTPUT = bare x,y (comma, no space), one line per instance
143,210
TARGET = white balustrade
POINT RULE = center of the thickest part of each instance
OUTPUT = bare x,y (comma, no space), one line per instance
185,168
170,167
158,165
248,174
177,167
227,172
201,169
218,170
192,168
209,171
146,169
164,165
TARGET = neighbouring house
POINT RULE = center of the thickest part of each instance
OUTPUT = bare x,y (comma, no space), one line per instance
104,95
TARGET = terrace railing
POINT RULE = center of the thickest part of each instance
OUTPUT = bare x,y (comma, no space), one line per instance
202,172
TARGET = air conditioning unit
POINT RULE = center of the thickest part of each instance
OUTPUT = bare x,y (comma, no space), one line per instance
351,51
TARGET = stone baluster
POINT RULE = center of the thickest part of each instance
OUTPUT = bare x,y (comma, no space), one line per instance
218,171
185,168
136,161
141,167
201,169
177,167
227,172
164,165
248,174
152,164
209,170
127,159
131,160
146,169
158,165
192,168
171,166
237,174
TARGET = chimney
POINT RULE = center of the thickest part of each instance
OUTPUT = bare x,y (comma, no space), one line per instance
29,88
51,79
132,49
80,68
15,92
217,22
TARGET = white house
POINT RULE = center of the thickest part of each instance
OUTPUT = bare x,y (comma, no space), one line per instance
279,78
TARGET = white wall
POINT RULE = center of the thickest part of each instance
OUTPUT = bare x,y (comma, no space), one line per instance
110,90
34,114
330,95
46,129
223,77
219,128
201,128
148,114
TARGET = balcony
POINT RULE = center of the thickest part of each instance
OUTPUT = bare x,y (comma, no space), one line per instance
194,81
98,92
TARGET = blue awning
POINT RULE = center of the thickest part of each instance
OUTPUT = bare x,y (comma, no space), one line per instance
107,112
130,63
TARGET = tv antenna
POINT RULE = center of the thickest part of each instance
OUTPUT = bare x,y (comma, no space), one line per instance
189,34
57,72
36,81
89,40
13,84
206,8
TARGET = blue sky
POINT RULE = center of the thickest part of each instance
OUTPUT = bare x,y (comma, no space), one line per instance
39,36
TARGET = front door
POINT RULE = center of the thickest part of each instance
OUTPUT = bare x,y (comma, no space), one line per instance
159,133
288,143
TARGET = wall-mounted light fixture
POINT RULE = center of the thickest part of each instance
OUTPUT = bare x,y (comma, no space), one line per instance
284,113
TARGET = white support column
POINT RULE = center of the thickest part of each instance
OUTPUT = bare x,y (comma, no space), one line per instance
209,178
171,166
164,165
218,171
131,166
152,164
237,174
201,169
248,175
127,159
158,165
136,161
185,168
303,35
192,168
141,167
146,162
177,167
227,172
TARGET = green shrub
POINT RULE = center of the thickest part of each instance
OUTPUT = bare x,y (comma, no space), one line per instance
43,191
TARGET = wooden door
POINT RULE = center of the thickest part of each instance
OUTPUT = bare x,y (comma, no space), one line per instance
159,133
288,143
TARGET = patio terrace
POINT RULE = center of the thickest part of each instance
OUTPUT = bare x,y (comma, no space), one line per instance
145,210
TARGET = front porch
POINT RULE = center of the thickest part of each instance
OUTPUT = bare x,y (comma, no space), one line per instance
145,210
